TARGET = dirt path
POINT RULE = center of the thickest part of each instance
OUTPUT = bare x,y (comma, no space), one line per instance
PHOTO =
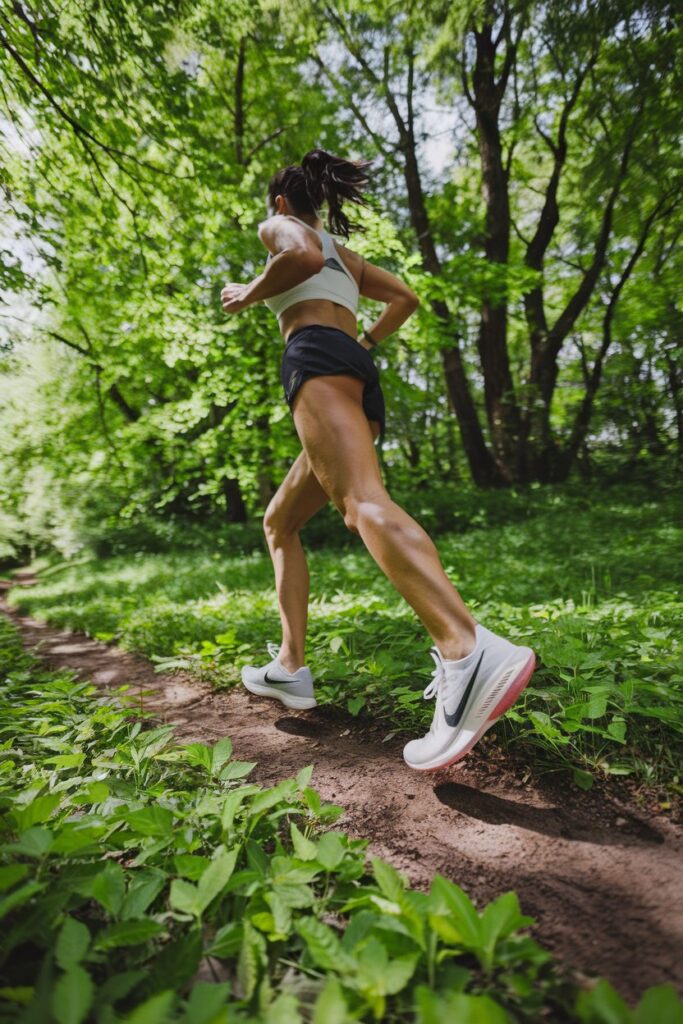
602,879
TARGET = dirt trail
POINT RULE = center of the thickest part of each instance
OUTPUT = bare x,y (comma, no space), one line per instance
602,879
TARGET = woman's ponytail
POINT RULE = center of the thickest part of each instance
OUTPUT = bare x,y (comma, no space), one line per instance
332,179
323,178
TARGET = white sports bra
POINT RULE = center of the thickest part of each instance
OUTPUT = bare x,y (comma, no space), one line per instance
333,282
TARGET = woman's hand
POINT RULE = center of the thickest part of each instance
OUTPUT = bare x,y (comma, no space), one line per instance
234,297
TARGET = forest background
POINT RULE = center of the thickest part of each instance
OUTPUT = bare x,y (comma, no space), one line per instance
527,183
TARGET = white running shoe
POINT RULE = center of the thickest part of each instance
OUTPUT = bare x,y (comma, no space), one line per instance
471,694
294,689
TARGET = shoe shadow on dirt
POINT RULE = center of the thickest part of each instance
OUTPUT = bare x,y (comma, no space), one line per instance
300,727
323,723
550,821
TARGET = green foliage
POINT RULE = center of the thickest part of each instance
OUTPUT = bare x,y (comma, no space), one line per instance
130,866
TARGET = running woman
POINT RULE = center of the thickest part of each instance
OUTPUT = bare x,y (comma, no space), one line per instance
331,383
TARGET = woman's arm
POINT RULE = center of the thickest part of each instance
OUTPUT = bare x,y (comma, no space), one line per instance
401,301
297,255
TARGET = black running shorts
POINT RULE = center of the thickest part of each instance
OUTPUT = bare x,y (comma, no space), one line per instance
317,350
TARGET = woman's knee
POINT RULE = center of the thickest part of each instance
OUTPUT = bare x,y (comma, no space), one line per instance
376,512
276,524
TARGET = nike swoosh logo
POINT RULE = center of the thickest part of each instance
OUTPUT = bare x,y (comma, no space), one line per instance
454,718
281,682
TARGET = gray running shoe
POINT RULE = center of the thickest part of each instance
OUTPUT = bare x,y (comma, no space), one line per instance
294,689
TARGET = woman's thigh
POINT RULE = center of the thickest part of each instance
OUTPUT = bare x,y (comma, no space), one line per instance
338,439
297,499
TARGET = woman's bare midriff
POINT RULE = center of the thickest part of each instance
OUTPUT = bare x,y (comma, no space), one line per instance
318,311
321,311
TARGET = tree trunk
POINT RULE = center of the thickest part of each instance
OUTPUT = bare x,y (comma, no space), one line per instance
674,381
235,507
485,472
499,392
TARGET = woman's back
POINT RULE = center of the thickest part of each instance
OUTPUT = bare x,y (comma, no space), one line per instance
333,282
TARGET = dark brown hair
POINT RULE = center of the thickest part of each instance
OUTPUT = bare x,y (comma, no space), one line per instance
321,178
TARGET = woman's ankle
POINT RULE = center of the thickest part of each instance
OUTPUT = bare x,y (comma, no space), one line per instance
460,647
291,664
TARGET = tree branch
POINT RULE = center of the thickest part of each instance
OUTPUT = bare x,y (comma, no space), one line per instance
81,133
582,420
577,302
550,216
380,143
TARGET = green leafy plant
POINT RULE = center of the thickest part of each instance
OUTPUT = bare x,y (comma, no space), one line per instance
131,868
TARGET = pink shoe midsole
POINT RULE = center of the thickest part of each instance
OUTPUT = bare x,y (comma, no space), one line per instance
514,690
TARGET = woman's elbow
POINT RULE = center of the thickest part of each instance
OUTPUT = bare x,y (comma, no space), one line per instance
410,299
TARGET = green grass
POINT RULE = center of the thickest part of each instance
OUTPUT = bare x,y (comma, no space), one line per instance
589,579
143,882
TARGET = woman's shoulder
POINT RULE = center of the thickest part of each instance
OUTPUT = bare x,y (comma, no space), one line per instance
277,231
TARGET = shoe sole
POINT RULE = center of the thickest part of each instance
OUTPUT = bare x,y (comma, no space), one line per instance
290,700
511,694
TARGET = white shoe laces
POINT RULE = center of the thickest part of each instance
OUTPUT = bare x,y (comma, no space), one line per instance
273,649
438,676
433,688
